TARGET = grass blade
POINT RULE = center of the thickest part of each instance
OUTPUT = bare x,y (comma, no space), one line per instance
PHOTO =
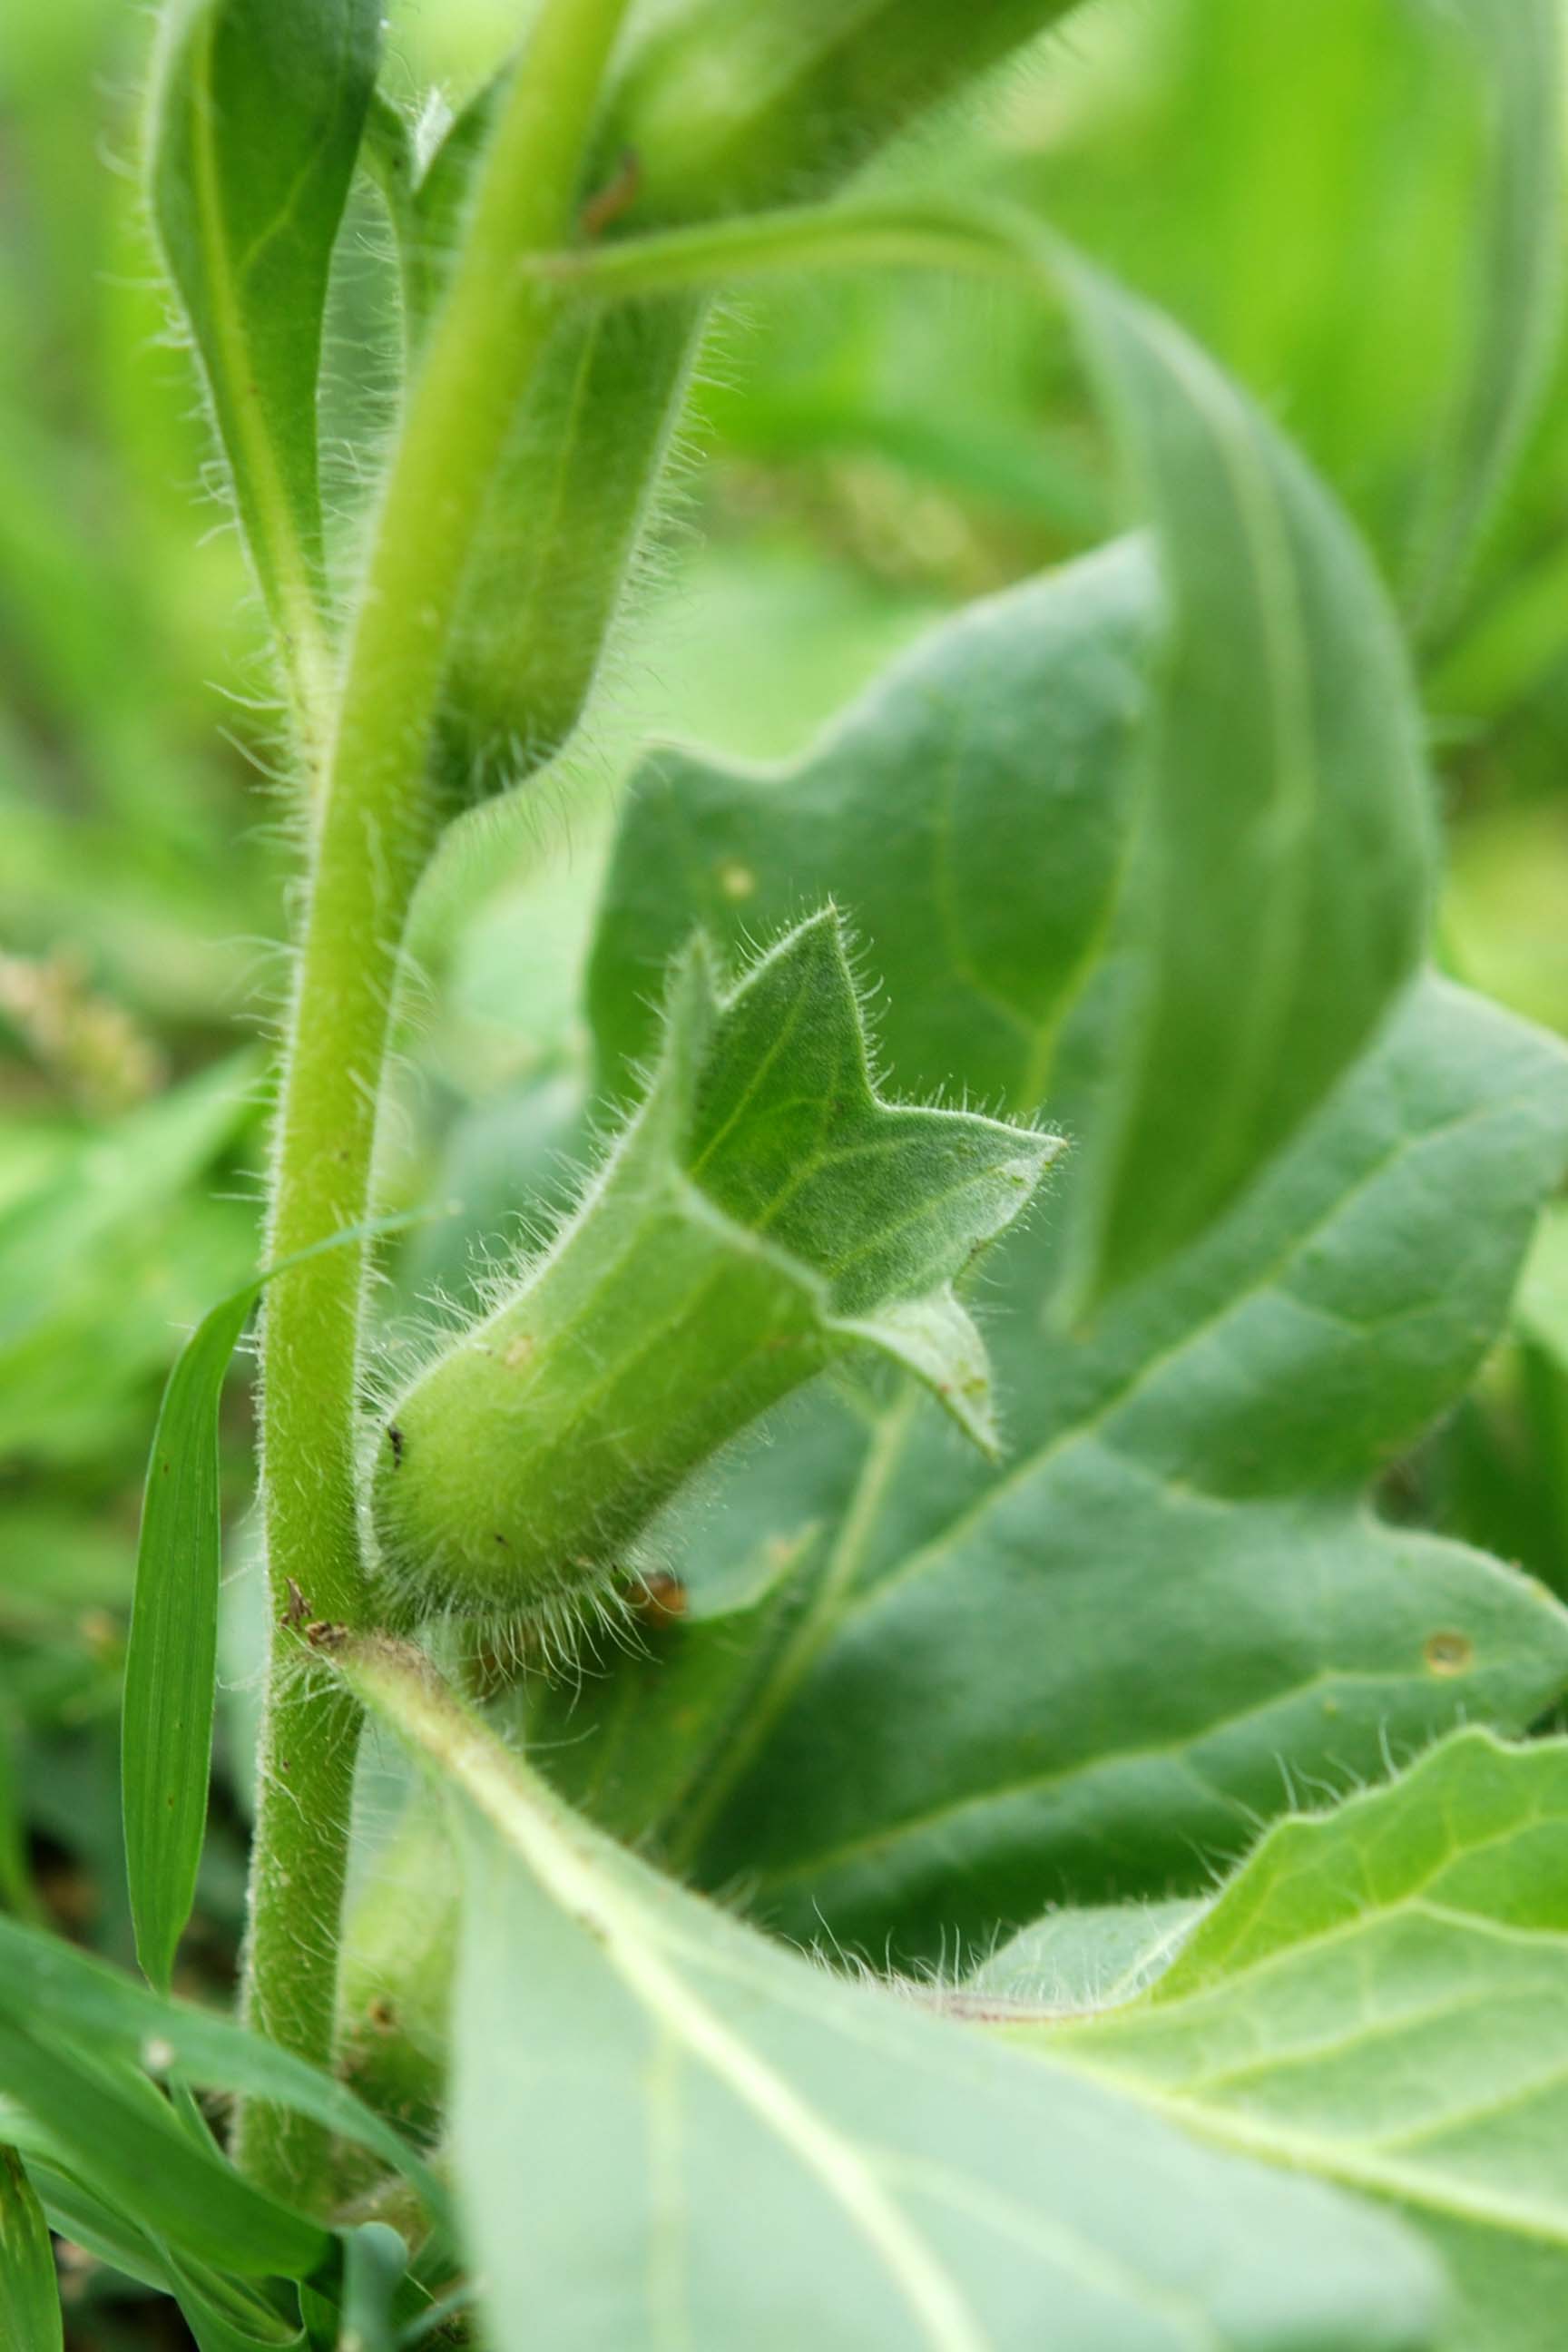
171,1656
29,2298
170,1661
49,1986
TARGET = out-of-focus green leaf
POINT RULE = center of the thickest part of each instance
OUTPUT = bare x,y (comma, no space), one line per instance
29,2299
1281,790
974,1694
171,1655
260,109
1519,279
105,1256
766,1213
375,2262
687,2132
105,2122
1381,1997
50,1991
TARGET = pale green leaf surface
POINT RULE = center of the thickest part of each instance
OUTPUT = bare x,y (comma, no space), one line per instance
984,1693
256,125
765,1213
29,2299
1380,1997
687,2135
1078,1959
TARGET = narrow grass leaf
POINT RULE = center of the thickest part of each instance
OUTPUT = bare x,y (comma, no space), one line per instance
29,2298
112,2129
171,1655
49,1985
170,1661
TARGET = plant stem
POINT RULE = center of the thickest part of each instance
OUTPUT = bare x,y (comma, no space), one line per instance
375,827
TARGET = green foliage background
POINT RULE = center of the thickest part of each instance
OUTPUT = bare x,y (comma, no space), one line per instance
882,452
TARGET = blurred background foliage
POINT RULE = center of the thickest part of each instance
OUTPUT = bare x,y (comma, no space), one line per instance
1299,183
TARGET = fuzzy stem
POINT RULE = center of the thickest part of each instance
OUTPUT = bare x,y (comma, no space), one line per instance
375,829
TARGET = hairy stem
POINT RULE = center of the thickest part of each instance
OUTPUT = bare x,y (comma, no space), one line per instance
375,827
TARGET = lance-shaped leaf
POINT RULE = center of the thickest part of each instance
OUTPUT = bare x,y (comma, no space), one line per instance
85,2055
765,1213
29,2300
1381,1997
259,111
968,1693
1520,47
686,2133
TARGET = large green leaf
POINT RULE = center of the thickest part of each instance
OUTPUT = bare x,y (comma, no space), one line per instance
919,1699
684,2134
1273,779
765,1215
1381,1997
256,124
29,2300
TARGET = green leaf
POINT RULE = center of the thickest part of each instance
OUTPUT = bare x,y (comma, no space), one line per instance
1381,1997
1275,777
686,2133
765,1213
1519,282
50,1989
111,1249
29,2299
1282,791
107,2124
977,1693
260,109
170,1661
1084,1959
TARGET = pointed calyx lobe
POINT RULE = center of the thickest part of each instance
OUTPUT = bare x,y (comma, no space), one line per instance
764,1214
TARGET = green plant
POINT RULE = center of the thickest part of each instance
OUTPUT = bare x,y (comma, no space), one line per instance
1056,1582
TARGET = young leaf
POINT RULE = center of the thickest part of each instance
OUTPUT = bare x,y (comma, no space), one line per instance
765,1213
1381,1997
1084,1959
1173,1582
259,110
688,2133
29,2299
